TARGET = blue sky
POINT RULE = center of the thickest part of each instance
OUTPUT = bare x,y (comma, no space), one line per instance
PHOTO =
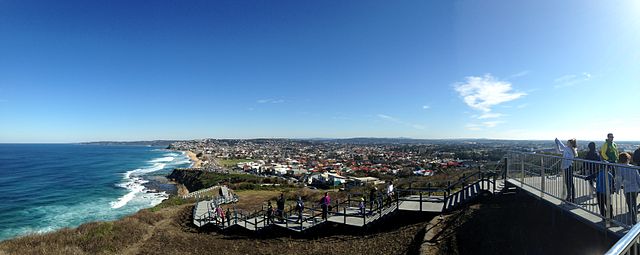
135,70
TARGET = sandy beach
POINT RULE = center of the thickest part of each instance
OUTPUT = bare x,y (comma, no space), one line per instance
196,161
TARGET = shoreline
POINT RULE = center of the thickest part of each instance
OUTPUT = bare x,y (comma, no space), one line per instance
195,161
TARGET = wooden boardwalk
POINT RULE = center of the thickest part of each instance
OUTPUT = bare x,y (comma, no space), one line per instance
345,214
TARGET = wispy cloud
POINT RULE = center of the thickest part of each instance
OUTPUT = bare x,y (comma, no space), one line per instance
570,80
397,121
426,107
483,125
483,94
270,101
490,115
519,74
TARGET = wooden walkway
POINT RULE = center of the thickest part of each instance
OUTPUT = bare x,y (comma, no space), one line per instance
346,214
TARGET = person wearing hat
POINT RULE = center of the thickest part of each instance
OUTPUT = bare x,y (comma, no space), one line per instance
361,205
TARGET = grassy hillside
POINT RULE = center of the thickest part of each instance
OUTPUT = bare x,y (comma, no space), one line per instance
166,229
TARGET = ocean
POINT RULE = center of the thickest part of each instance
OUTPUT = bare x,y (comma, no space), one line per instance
45,187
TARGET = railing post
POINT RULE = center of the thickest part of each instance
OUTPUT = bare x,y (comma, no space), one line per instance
421,201
345,215
522,169
505,172
608,191
542,176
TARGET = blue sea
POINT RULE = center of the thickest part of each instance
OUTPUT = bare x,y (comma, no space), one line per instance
45,187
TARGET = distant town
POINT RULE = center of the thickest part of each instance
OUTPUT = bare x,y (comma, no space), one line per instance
332,162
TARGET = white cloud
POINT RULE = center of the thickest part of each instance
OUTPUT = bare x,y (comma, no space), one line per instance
426,107
397,121
483,125
490,124
490,115
482,93
473,127
570,80
268,100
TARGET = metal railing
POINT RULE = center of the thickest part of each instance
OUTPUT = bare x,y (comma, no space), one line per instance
590,185
628,244
596,187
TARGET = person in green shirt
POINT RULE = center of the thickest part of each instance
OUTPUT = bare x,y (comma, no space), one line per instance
609,150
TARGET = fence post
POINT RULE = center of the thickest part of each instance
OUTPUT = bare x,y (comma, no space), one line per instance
345,215
506,168
421,201
608,191
542,176
522,170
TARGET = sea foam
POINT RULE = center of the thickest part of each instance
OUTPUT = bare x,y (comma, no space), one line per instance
134,181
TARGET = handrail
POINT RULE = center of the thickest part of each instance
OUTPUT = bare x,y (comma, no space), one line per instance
627,242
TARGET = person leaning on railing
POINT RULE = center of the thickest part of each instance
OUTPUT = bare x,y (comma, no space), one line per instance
629,179
602,177
590,168
569,152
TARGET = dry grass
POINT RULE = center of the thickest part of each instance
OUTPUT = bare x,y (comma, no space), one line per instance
91,238
168,231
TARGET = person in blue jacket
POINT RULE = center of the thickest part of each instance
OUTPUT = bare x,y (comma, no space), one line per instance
629,178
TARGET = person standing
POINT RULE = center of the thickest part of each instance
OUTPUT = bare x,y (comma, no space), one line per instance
604,189
591,169
629,179
569,152
228,214
269,213
636,157
300,209
280,204
372,197
609,150
389,193
324,203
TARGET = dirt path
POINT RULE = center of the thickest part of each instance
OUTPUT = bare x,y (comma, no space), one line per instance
135,248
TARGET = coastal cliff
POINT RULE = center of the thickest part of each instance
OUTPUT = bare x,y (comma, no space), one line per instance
191,179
